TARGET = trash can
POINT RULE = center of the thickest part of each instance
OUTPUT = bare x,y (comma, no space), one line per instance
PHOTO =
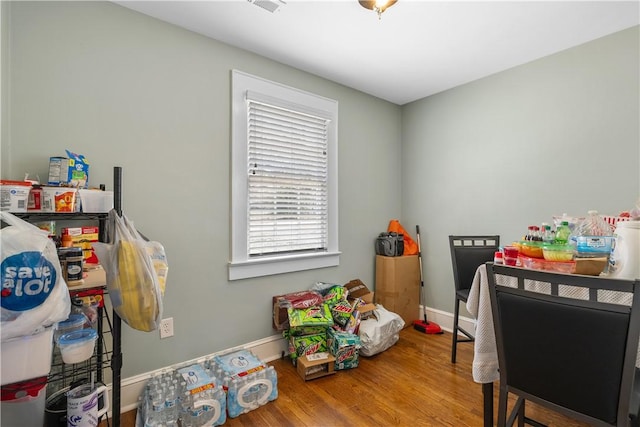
23,403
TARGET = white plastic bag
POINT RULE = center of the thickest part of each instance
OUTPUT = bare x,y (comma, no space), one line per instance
381,332
136,273
34,293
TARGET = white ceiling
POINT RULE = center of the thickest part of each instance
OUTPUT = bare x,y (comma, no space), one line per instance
418,48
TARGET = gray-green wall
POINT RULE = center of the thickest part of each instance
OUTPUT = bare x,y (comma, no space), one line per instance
557,135
560,134
128,90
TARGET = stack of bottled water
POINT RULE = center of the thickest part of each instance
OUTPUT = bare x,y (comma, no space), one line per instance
249,392
205,393
249,382
188,397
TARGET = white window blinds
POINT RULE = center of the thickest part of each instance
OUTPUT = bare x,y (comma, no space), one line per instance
287,178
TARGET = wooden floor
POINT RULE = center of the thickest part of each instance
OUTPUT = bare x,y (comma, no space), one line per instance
411,384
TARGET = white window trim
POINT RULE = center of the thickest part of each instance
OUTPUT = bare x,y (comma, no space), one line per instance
240,265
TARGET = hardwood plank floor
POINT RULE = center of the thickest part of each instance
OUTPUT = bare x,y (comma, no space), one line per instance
412,384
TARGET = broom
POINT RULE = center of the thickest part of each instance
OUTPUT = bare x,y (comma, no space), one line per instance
424,325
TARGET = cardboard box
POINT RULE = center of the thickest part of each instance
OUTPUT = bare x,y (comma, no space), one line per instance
344,346
300,299
34,203
357,289
82,237
58,170
306,344
313,316
72,171
280,316
398,285
316,365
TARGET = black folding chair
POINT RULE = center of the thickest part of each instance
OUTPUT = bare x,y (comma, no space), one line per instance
467,254
566,342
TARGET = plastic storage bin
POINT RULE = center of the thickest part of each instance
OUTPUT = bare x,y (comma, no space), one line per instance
23,403
74,322
542,264
14,195
77,346
95,201
26,357
593,237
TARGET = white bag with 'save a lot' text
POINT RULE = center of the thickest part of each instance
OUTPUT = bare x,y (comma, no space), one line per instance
34,294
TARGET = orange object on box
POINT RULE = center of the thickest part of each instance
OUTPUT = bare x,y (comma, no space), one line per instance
410,246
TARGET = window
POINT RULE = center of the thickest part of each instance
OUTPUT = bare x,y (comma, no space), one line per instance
284,179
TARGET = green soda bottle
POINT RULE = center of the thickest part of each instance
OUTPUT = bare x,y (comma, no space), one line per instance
562,233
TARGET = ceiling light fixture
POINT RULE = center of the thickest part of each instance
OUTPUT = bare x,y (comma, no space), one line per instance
377,6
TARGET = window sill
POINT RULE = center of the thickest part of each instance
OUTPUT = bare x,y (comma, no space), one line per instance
278,265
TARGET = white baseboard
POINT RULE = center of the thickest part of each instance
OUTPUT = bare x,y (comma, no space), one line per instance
445,320
267,350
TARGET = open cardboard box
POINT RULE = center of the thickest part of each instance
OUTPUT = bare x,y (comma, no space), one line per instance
357,289
280,316
316,365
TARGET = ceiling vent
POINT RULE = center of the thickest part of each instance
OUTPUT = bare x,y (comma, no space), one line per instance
269,5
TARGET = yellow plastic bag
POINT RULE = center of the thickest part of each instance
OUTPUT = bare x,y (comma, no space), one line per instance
136,274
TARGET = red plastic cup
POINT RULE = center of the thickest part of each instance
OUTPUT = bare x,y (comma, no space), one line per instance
510,261
510,255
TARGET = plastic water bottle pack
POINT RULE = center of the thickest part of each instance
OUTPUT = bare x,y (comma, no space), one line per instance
206,393
188,397
250,383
